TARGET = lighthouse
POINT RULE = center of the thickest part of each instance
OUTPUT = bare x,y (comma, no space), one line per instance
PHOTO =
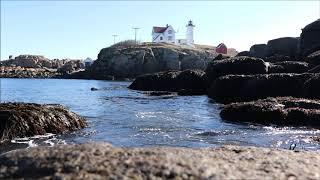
189,34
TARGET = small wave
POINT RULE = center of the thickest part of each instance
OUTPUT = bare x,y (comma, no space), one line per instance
215,133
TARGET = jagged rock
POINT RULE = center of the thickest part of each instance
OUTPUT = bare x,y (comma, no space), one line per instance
310,38
235,88
286,46
283,111
235,65
102,161
188,80
258,50
71,66
288,67
21,72
29,119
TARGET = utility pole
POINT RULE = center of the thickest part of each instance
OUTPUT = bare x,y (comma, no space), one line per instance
135,33
114,38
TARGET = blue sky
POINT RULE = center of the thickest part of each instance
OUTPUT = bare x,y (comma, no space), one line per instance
79,29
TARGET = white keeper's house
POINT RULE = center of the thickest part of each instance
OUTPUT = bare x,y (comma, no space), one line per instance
168,35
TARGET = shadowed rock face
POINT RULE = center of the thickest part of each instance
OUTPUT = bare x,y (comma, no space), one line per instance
282,111
101,161
288,67
287,46
310,38
187,82
28,119
234,88
236,65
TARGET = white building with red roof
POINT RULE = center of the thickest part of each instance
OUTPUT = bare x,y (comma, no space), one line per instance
163,34
168,35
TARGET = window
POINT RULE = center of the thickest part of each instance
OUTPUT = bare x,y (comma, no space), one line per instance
170,38
170,32
161,38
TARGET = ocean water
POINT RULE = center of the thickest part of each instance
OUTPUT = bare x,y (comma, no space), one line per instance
128,118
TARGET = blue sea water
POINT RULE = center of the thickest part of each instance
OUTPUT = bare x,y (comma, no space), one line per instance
129,118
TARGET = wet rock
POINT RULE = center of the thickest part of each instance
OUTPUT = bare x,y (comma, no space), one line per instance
188,80
312,87
235,65
288,67
94,89
102,161
22,72
234,88
314,58
286,46
29,119
310,39
283,111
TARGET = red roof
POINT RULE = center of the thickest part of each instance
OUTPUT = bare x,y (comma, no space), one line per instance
159,29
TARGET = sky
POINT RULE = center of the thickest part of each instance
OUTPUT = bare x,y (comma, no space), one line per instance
80,29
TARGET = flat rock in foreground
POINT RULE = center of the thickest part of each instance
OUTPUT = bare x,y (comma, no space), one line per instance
100,161
286,111
29,119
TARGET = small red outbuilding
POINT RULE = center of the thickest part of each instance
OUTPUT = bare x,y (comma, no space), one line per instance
222,48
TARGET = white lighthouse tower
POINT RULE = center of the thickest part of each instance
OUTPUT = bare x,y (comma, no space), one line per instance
189,34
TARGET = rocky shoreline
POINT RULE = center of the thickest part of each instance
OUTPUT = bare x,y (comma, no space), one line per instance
101,160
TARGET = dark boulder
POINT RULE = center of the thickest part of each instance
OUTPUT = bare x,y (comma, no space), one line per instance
312,87
288,67
258,50
243,53
235,65
235,88
279,58
310,38
314,58
287,46
283,111
221,57
186,81
28,119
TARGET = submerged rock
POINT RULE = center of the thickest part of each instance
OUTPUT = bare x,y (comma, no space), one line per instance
283,111
186,81
101,161
29,119
234,88
235,65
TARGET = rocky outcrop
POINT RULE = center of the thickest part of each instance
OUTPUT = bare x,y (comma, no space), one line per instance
40,62
71,66
235,88
283,111
147,58
288,67
187,82
243,53
102,161
286,46
21,72
29,119
310,38
235,65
